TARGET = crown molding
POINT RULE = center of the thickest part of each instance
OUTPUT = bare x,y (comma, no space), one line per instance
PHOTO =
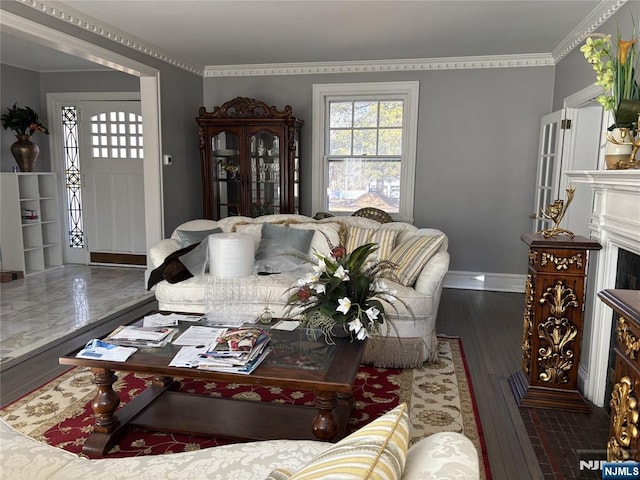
413,64
603,11
90,24
600,14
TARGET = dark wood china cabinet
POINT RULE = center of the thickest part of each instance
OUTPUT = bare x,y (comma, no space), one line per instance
250,159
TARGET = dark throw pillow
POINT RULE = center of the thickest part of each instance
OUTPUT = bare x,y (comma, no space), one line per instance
172,270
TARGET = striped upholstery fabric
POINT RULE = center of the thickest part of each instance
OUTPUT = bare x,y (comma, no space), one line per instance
385,238
412,255
376,451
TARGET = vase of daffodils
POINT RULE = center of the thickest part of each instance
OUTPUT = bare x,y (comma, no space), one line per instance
345,294
616,67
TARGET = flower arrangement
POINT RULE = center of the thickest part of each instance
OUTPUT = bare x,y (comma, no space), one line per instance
344,290
615,64
23,121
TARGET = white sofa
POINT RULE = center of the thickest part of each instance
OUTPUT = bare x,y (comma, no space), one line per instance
416,341
439,456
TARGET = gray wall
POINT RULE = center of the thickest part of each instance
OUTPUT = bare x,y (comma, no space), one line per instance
107,81
180,98
22,86
31,88
477,148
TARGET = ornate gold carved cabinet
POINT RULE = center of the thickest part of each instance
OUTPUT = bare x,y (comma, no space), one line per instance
623,441
250,159
552,327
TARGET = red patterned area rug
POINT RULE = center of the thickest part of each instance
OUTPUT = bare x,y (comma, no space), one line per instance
440,397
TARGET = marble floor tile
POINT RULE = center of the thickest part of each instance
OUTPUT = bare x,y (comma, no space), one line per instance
40,308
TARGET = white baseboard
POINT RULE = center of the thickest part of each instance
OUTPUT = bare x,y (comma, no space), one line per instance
498,282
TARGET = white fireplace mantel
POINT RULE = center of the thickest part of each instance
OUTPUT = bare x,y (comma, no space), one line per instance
615,224
611,179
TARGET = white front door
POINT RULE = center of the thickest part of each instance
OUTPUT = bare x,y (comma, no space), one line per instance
552,137
111,153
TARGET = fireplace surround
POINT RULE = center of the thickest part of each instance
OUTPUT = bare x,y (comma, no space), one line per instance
615,224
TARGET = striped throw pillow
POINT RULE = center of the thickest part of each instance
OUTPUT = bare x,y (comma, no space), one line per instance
376,451
412,255
385,238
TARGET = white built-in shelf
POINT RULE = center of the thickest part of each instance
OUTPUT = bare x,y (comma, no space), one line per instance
30,246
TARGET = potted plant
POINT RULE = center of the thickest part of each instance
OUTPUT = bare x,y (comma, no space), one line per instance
616,66
24,122
345,294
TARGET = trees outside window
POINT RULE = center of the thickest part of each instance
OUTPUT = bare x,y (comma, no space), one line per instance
364,147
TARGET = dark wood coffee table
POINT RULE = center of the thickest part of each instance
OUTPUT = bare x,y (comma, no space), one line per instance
295,362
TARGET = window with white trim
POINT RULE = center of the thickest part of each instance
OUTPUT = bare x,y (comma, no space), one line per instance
364,147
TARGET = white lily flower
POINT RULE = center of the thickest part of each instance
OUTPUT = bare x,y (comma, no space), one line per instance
320,267
308,278
362,334
320,288
345,305
379,286
341,273
355,325
372,313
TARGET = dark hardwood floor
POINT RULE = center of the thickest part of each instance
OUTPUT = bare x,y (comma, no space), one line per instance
522,443
490,326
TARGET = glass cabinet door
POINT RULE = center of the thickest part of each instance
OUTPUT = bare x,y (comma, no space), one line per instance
296,172
264,158
225,154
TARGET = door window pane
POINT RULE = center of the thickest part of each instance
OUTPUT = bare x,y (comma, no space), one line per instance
116,129
73,183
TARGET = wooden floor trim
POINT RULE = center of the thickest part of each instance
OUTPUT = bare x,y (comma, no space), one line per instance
118,258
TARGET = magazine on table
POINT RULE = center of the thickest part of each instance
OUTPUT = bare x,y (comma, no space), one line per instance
198,335
136,336
238,342
234,350
100,350
245,369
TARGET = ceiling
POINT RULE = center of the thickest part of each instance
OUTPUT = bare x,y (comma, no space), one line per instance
238,32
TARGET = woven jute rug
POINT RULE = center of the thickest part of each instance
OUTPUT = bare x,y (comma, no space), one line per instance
439,395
